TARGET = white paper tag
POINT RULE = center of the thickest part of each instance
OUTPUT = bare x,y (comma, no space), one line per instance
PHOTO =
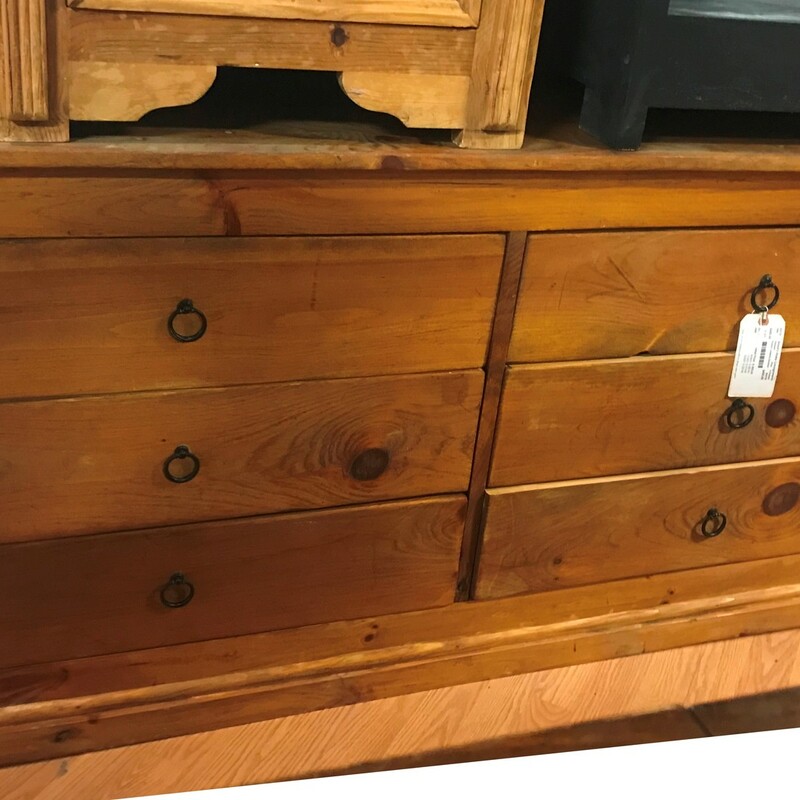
758,354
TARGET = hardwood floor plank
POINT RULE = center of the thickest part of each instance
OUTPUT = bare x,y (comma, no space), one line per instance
496,717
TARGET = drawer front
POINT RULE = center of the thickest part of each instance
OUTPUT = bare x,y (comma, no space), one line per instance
102,594
603,295
551,536
98,464
587,419
449,13
92,316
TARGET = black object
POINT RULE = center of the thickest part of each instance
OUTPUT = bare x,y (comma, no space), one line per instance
632,55
740,414
713,523
187,307
765,283
177,592
181,452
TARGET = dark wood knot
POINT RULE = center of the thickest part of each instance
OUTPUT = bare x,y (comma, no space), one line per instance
780,413
370,464
781,500
339,36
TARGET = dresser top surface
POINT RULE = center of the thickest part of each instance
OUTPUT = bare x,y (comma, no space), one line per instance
361,147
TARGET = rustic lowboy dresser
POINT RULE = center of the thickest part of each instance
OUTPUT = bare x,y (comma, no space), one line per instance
291,424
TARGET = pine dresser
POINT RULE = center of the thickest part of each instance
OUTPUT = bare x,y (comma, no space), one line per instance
290,423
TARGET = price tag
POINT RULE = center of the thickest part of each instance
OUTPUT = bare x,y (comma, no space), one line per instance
758,354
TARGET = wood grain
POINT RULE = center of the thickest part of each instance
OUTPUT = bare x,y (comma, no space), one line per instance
623,293
95,464
335,664
118,91
565,707
592,418
100,594
33,89
448,13
184,204
85,317
495,370
23,30
549,536
364,146
427,101
502,70
270,43
649,697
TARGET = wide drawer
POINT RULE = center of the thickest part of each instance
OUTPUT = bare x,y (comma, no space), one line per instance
92,316
448,13
110,593
100,463
586,419
550,536
603,295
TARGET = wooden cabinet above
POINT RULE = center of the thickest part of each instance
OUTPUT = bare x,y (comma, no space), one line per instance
442,64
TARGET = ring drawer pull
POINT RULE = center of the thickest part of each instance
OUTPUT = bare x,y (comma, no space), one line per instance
181,452
177,592
186,306
713,523
740,414
765,283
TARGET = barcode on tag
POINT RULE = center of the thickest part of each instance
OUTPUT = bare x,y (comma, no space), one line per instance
763,355
758,355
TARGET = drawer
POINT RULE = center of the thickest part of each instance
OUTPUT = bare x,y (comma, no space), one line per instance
550,536
102,594
449,13
91,316
603,295
98,463
586,419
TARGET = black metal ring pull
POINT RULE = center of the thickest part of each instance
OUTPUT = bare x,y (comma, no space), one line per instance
186,306
181,453
713,523
177,592
740,414
764,284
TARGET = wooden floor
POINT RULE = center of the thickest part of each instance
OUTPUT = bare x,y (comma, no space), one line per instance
727,687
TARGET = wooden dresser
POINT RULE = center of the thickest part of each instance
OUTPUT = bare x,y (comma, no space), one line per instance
289,425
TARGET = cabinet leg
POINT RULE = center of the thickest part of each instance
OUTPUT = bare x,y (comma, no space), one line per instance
487,140
506,43
619,123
